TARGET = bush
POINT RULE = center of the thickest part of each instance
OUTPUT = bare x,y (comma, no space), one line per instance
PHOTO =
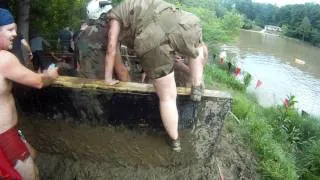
274,161
309,161
248,24
215,74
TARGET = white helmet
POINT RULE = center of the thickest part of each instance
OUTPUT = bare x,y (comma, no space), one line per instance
97,7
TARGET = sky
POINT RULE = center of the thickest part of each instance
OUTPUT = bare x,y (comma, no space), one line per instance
285,2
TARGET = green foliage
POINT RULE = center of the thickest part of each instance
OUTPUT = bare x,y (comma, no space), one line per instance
215,74
205,4
222,29
232,22
262,14
212,29
305,28
115,2
50,16
308,156
48,20
248,24
301,20
274,161
247,79
285,29
309,130
242,106
309,160
315,37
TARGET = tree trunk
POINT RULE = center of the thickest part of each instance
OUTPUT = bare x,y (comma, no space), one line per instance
23,10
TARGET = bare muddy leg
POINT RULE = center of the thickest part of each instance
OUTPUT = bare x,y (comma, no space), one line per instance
167,93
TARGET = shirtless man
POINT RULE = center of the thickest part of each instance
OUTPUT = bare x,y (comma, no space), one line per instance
11,144
157,31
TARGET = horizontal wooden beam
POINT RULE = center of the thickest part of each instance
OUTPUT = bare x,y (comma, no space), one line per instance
125,87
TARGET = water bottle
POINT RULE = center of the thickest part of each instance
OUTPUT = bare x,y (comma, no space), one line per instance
52,66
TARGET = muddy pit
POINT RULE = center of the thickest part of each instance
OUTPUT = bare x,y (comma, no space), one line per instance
71,151
85,152
85,134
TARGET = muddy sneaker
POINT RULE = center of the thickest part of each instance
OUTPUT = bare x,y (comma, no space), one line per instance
196,93
175,145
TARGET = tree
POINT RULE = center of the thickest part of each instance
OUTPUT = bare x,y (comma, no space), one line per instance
245,7
305,28
50,16
284,29
232,22
315,37
23,11
301,20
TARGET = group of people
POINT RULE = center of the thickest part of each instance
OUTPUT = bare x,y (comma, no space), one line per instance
35,57
41,61
161,36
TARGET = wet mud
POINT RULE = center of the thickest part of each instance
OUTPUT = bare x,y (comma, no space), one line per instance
86,134
71,151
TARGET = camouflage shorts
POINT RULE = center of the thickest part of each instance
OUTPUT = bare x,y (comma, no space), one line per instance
159,61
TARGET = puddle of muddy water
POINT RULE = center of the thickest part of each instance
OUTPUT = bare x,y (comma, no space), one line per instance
72,151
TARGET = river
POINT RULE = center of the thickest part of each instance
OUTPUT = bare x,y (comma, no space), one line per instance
271,59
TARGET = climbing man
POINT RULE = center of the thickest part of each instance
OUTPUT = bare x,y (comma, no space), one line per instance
157,31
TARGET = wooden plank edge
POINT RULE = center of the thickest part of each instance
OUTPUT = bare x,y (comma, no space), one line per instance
126,87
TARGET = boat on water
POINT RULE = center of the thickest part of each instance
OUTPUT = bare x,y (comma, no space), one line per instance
299,61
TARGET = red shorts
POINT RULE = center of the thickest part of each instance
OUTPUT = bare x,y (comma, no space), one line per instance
6,170
13,147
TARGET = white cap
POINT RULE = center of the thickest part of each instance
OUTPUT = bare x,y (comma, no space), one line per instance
94,10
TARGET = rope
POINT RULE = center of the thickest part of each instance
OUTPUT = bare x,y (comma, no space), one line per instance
234,116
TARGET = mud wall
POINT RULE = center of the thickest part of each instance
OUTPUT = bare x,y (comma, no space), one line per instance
86,134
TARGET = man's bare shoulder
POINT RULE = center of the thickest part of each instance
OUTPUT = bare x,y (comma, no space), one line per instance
6,58
6,55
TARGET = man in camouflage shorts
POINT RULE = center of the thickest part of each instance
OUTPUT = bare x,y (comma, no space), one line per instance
157,30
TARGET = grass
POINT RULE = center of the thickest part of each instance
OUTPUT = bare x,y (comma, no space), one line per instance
286,144
214,74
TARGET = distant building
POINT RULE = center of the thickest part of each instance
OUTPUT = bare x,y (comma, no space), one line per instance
272,28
